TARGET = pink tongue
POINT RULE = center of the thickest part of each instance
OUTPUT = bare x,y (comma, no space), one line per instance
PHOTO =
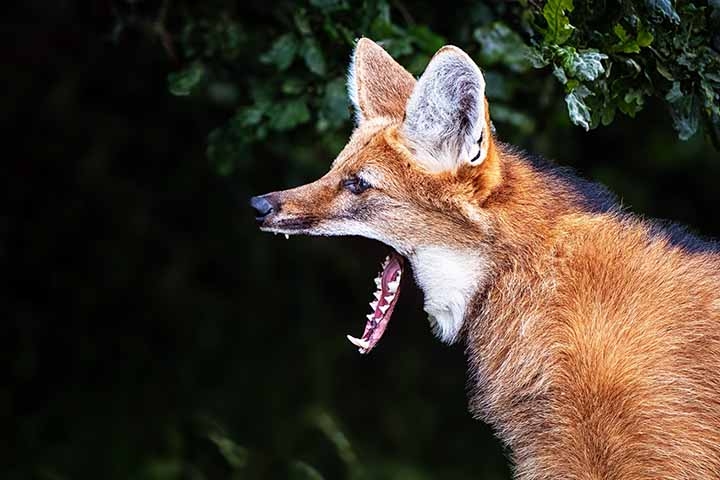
385,298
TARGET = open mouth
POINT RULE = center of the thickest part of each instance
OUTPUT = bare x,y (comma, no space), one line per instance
386,295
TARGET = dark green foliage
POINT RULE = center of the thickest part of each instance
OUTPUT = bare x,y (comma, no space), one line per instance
185,81
608,57
644,49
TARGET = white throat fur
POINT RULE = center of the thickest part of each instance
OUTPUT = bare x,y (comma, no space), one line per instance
449,278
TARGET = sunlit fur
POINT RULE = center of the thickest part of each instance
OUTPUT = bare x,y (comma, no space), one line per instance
592,336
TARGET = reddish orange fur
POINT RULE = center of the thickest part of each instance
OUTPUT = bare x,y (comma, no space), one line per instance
595,352
594,346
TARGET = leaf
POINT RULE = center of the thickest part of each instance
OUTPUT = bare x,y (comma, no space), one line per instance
577,109
426,39
585,65
644,37
620,32
536,58
235,455
301,22
559,28
684,110
289,114
300,470
632,102
675,93
249,116
665,7
397,47
686,117
282,52
608,115
521,121
497,87
329,427
662,70
183,83
710,97
560,74
334,105
499,44
626,44
313,56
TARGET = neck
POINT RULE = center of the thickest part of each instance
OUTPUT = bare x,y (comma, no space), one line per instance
511,351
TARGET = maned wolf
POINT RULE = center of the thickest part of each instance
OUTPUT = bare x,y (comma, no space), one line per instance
593,336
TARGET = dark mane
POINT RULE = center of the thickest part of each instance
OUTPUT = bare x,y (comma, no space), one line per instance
596,198
593,196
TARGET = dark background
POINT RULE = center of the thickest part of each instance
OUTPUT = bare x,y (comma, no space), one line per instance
150,331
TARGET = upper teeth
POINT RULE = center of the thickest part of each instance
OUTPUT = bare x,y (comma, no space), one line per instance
373,304
358,342
392,286
377,294
389,298
378,282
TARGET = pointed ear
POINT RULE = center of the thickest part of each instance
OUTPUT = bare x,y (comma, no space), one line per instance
378,86
447,122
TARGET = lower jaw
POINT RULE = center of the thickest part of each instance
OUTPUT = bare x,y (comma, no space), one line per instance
386,295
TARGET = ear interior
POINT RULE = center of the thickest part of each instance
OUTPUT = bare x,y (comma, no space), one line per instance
447,122
378,86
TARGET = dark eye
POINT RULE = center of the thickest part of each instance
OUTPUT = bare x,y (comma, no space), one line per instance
356,185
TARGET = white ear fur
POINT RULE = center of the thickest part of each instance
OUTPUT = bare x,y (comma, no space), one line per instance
352,89
445,122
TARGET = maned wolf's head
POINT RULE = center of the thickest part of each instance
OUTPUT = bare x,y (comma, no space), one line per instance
415,175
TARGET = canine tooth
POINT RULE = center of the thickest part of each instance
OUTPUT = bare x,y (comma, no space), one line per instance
364,344
377,294
384,309
392,286
287,237
389,298
373,304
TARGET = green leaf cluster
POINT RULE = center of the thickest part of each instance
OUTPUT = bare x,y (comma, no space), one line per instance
601,58
614,61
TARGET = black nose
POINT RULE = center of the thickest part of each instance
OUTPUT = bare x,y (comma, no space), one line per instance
263,207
